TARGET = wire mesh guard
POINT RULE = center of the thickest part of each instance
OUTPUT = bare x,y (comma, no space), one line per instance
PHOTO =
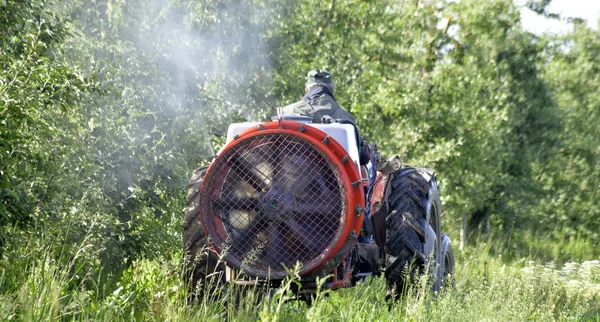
272,200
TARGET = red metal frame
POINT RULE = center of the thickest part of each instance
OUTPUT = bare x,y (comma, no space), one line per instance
349,172
377,201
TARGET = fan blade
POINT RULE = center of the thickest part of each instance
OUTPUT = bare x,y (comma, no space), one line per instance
240,219
316,208
259,158
246,173
276,251
317,199
265,172
302,234
243,241
236,203
273,155
295,171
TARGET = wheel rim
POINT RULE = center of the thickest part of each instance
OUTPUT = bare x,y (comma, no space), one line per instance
434,214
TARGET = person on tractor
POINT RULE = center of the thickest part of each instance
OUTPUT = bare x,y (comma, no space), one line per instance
318,100
319,103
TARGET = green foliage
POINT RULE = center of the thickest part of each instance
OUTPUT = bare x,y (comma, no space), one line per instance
40,118
569,177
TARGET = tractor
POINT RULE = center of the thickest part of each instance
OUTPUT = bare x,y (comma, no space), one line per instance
308,192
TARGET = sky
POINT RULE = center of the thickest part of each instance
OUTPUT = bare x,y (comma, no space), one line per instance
587,9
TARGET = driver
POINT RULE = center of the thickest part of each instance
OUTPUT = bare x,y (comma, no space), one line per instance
318,98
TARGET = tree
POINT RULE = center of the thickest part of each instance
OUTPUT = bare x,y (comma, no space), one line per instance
569,179
40,116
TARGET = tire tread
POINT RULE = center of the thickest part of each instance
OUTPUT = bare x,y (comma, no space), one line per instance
405,228
203,270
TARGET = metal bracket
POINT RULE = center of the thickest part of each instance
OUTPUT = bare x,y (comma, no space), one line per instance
358,210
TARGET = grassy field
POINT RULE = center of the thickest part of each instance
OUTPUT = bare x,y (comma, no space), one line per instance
485,289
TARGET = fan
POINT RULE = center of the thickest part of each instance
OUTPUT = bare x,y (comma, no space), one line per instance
272,200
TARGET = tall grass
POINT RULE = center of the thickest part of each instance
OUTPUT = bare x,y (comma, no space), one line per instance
485,289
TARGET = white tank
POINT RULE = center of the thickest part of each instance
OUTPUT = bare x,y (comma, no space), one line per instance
343,133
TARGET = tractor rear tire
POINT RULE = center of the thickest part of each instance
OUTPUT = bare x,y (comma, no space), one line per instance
203,271
413,230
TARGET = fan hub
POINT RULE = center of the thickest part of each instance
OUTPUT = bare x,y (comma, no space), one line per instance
277,204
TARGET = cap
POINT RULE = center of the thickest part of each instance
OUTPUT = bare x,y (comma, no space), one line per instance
318,76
